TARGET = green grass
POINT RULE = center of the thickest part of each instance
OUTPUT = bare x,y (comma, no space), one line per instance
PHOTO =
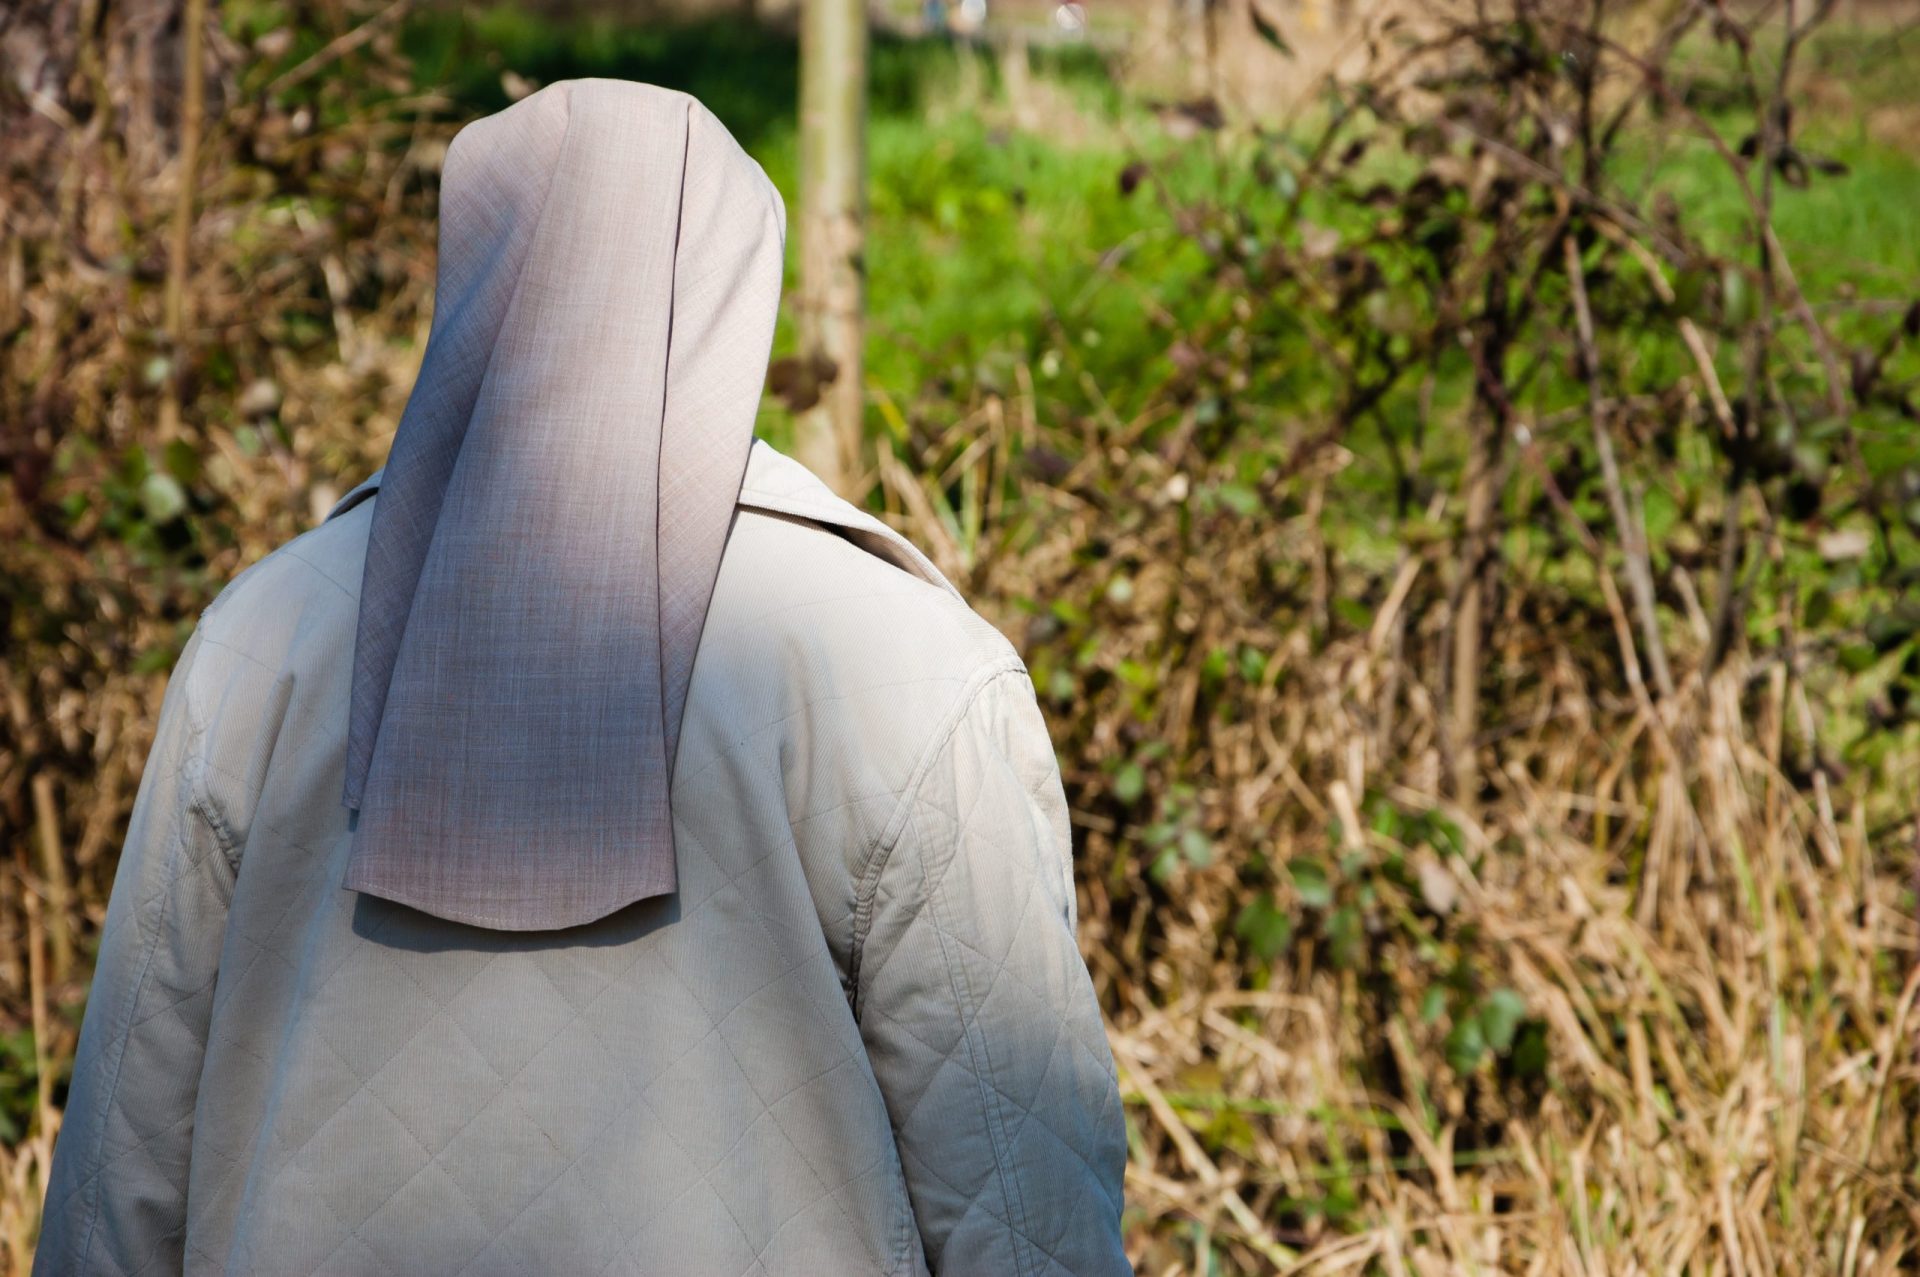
990,248
1855,229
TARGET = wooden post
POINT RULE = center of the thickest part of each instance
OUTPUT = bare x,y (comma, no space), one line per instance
193,70
833,103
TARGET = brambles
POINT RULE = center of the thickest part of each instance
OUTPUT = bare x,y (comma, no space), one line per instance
1463,553
1464,579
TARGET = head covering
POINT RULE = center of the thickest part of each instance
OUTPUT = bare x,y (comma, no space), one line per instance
553,510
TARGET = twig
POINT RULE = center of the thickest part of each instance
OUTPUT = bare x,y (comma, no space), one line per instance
53,868
1580,195
1656,83
37,1001
1257,1234
1689,331
1633,536
335,49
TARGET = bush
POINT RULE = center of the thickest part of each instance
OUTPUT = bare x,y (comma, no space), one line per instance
1460,537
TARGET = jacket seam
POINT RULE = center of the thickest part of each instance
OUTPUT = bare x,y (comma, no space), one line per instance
123,1034
200,797
201,803
881,852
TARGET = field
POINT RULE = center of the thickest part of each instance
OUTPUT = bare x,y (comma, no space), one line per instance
1463,531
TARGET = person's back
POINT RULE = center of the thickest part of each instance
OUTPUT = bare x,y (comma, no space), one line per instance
857,1035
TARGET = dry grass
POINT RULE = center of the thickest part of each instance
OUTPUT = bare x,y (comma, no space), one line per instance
1733,1086
1710,938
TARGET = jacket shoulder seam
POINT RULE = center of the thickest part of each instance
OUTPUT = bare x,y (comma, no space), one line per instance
200,800
881,852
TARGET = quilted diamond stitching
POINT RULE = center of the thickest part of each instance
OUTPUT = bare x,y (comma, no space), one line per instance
959,954
110,1098
788,848
1001,967
481,1110
982,1068
959,826
639,954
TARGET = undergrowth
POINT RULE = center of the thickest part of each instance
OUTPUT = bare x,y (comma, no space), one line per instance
1464,560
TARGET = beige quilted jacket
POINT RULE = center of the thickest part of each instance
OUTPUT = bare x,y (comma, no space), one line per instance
859,1039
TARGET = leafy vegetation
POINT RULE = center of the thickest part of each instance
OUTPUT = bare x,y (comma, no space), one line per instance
1462,537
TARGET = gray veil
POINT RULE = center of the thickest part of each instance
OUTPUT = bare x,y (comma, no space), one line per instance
553,510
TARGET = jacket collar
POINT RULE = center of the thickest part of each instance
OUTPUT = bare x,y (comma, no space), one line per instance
778,484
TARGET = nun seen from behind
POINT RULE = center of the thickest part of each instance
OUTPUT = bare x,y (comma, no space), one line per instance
701,898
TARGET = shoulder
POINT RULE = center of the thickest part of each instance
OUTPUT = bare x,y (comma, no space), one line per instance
268,667
801,558
807,571
308,588
782,574
827,627
817,602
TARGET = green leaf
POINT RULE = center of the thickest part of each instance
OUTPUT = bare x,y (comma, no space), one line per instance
1068,613
1466,1045
1811,459
1500,1015
162,497
1888,630
1163,865
181,460
1242,500
1689,290
1530,1050
1311,882
1263,928
1346,937
1268,31
1353,612
1661,513
1737,296
1196,847
1129,782
1060,685
1857,658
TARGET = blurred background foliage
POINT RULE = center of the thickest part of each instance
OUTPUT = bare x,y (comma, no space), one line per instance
1452,470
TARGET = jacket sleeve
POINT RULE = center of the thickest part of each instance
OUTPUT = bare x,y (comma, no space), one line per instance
978,1013
116,1200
